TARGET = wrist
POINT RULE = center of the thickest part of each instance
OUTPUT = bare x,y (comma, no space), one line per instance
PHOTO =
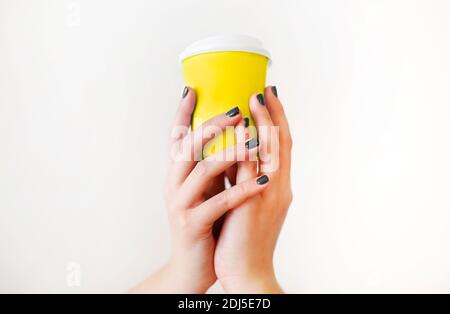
184,279
262,283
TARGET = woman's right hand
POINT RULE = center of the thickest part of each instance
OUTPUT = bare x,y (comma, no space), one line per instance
244,253
192,207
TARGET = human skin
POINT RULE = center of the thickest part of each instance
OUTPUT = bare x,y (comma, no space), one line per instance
241,257
244,252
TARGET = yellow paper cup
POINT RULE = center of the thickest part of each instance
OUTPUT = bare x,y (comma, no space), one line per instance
224,71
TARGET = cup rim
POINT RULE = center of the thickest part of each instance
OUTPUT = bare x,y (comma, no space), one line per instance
225,43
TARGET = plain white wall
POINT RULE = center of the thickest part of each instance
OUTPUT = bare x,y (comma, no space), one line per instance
88,89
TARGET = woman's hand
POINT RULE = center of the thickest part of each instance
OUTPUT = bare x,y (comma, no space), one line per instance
196,200
244,253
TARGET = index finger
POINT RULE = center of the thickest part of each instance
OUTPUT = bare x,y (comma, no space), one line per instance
279,118
183,116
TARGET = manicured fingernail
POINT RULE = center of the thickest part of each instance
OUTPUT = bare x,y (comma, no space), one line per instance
252,143
262,180
185,92
261,99
246,122
233,112
275,91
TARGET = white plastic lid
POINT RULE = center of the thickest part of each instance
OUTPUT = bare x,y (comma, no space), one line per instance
225,43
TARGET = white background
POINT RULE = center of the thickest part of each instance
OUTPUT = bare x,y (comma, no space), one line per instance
88,89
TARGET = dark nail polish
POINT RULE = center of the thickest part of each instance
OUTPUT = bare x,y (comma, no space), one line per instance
246,122
252,143
262,180
233,112
185,92
275,91
261,99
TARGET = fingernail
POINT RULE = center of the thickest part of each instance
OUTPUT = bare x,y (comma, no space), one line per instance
185,92
275,91
262,180
261,99
233,112
252,143
246,122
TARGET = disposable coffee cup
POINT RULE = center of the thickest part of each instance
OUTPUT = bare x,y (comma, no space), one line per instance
224,71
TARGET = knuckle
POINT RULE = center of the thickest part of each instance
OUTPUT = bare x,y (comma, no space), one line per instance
289,197
201,169
183,221
289,142
209,133
223,200
177,133
211,128
240,190
176,203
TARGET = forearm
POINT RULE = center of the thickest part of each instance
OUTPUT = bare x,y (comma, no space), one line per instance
168,280
158,282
